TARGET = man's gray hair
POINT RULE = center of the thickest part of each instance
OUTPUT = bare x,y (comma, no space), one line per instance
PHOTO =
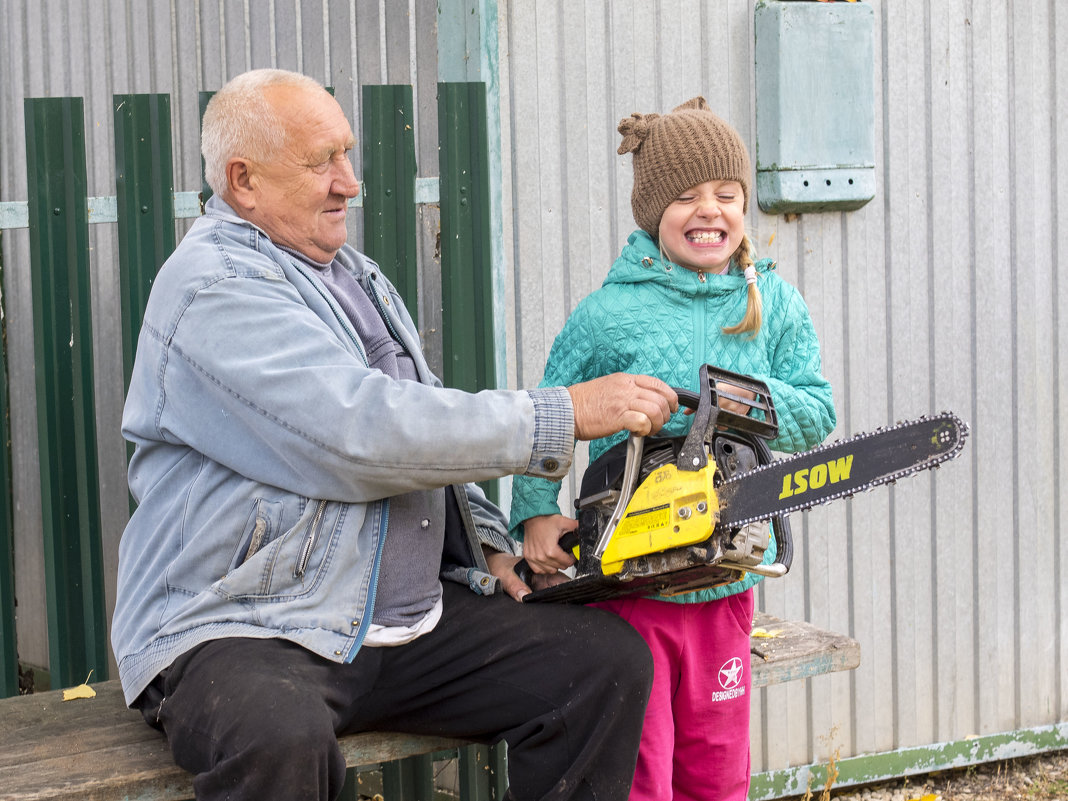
238,121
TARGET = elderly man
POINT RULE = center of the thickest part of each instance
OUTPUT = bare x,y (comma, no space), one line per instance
304,486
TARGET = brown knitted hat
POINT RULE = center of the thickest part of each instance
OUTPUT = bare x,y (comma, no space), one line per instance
675,151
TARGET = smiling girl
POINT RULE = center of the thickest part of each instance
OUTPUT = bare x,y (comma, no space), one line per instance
685,291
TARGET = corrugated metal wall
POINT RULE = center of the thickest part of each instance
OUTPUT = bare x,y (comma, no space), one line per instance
944,292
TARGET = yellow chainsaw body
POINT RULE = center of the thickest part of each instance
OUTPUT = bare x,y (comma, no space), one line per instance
672,508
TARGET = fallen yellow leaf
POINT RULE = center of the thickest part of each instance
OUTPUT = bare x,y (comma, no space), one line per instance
764,634
81,691
928,797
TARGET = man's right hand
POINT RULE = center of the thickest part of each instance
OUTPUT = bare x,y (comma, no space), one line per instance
638,403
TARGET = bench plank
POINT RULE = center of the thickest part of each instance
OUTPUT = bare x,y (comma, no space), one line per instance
798,650
98,749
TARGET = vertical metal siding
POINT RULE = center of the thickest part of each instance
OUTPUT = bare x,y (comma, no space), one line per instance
943,292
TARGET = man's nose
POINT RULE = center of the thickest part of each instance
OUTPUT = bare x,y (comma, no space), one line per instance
345,182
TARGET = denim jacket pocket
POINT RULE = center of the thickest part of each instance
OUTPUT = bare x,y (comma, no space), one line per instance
262,526
286,566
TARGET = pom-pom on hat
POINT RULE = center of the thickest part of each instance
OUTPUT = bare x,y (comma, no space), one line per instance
675,151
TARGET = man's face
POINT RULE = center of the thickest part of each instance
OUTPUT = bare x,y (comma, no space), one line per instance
300,197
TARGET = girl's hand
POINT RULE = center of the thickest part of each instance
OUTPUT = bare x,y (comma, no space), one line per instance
502,565
541,542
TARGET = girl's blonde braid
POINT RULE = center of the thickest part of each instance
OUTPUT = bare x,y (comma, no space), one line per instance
750,324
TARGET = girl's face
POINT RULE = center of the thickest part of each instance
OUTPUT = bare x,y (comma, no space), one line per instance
702,227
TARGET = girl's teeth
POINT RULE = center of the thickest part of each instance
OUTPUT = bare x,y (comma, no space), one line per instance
705,237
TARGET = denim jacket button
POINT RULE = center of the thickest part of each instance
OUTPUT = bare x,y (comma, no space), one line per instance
551,465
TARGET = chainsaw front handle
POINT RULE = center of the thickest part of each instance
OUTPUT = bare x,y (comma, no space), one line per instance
708,417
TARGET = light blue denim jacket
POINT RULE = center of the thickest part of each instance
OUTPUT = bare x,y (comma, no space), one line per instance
267,451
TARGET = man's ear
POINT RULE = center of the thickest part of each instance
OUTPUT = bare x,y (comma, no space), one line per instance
241,183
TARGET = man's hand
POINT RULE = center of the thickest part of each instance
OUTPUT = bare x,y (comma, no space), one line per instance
541,542
502,565
639,403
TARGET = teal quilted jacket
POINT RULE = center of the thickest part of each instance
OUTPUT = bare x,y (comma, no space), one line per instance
653,317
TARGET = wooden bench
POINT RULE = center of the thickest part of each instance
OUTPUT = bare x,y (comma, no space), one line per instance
98,749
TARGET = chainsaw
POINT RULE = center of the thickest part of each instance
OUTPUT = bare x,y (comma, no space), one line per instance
671,515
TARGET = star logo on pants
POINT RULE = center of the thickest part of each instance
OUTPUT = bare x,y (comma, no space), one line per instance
731,673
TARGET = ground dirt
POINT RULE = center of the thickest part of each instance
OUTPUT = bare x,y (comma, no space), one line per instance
1038,778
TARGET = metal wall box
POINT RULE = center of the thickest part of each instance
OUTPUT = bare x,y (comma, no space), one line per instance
815,105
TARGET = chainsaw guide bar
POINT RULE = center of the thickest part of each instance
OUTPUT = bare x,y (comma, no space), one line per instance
841,469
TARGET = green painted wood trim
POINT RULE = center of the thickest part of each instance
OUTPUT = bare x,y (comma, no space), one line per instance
9,658
144,184
467,286
888,765
473,773
411,778
389,219
468,50
62,323
498,769
483,773
468,343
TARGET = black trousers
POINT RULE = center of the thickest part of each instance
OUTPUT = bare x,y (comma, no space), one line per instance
564,686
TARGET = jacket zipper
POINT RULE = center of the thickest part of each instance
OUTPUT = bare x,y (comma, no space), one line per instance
306,551
700,335
369,608
382,312
309,541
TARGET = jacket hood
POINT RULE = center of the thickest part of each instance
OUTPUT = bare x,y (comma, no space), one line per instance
641,261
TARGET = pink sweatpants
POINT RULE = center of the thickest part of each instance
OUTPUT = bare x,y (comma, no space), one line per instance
695,741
